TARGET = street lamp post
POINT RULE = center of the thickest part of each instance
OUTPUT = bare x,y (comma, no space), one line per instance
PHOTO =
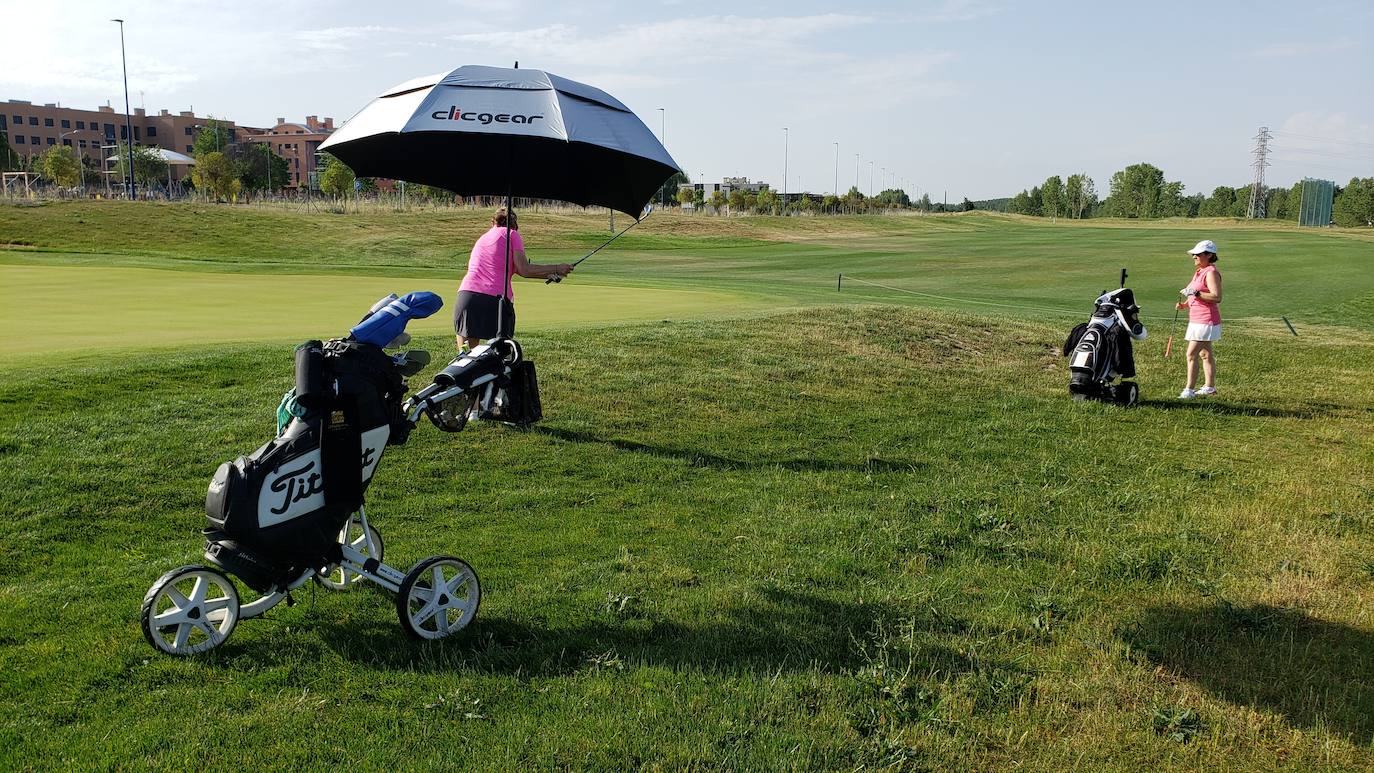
786,140
837,170
128,122
870,178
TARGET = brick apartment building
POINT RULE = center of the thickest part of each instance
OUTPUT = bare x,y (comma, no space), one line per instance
95,134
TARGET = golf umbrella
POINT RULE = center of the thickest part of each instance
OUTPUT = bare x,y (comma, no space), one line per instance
507,132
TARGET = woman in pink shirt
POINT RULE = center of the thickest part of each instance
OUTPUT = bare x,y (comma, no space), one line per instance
1200,298
482,297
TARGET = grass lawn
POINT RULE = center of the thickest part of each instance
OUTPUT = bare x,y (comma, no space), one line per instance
852,536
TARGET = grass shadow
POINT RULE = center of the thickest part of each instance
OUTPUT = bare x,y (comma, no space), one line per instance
714,461
1317,674
1210,405
781,630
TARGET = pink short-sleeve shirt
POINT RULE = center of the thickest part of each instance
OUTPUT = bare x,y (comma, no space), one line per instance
486,264
1205,312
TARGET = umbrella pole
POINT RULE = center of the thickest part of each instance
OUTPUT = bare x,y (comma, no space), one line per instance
505,285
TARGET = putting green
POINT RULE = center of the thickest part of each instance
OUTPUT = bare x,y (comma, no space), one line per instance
74,308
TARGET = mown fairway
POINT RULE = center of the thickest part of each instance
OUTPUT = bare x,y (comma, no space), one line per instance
846,536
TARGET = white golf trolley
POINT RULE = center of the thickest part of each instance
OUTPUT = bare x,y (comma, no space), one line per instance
280,518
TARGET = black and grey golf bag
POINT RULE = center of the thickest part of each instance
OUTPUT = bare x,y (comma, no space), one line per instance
279,510
1100,350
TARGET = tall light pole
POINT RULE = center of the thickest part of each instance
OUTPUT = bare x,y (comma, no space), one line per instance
128,122
663,140
857,166
870,178
837,170
786,138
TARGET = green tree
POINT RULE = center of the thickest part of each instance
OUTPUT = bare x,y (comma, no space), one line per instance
212,138
1354,206
768,202
1020,203
9,160
1135,192
1172,203
1295,202
150,168
1276,203
337,178
668,191
967,205
718,200
737,200
1219,203
830,203
699,197
924,204
59,165
686,196
1052,196
258,167
215,176
1073,195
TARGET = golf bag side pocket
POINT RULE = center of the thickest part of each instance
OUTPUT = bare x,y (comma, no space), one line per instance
227,499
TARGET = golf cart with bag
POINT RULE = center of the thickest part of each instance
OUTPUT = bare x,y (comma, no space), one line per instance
1100,350
292,511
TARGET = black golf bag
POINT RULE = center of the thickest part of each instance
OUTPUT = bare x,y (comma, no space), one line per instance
279,510
1100,350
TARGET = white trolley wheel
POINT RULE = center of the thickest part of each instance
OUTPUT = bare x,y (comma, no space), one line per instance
439,596
337,577
190,610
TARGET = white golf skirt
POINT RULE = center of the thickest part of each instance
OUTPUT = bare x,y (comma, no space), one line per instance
1200,331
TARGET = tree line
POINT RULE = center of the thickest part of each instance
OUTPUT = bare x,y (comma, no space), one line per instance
1140,191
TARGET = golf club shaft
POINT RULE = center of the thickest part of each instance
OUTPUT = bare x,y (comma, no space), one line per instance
555,278
1173,328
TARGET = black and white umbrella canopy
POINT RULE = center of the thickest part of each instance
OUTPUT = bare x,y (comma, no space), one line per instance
496,131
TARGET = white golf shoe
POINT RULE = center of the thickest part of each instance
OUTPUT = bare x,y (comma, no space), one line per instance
1187,394
1206,391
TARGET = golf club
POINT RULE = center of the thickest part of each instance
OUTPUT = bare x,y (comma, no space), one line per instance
649,210
1173,328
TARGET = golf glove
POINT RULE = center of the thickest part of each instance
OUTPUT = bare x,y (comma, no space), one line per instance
1188,292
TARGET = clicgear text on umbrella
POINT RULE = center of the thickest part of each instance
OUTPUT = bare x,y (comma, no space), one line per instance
454,114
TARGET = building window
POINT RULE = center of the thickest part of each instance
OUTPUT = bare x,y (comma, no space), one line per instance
19,120
124,132
2,121
66,124
33,120
81,124
66,142
189,131
109,130
83,144
190,149
152,131
19,139
137,138
51,141
47,122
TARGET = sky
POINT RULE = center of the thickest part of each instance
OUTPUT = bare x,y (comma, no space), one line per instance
952,98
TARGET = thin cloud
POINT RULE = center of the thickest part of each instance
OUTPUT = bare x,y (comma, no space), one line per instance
1294,49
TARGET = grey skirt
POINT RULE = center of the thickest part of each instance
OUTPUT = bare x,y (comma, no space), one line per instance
474,315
